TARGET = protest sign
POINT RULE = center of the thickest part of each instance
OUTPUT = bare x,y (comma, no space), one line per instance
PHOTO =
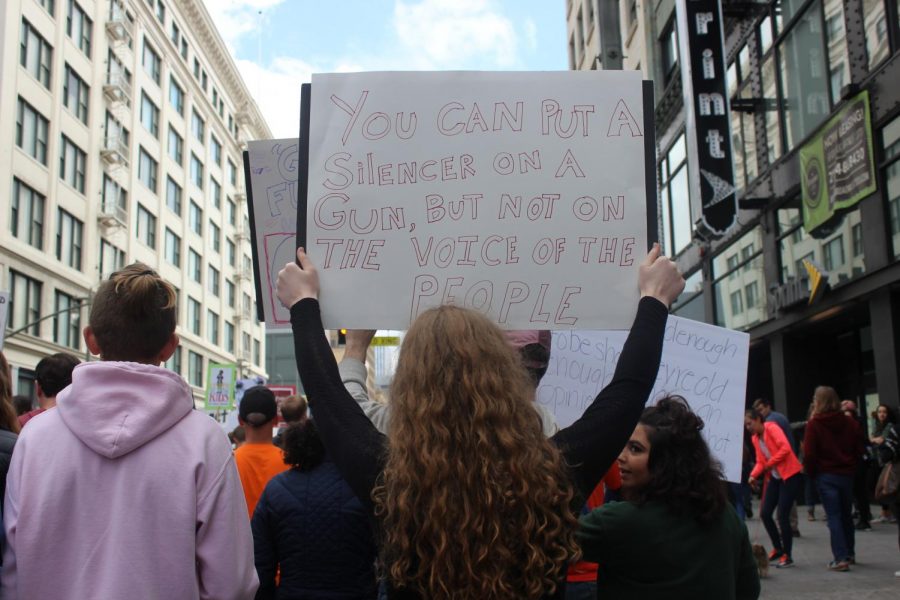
522,195
270,168
220,386
704,363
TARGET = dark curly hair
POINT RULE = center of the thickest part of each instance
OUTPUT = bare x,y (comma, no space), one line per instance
303,449
683,473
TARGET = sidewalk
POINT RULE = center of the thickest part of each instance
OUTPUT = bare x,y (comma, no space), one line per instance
871,578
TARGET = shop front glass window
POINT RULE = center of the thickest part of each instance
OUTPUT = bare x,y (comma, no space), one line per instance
675,198
891,145
773,125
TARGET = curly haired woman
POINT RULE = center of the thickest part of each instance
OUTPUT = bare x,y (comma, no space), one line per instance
675,517
472,500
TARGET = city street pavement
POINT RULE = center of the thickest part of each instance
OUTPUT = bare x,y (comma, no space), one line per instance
872,578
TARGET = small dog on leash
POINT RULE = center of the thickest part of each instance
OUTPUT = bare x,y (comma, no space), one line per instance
762,560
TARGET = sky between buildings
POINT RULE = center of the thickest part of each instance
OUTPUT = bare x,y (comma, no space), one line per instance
278,44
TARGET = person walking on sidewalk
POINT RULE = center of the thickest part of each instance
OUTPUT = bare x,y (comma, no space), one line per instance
778,465
832,448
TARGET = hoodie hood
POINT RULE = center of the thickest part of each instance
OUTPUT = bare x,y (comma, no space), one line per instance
115,407
835,422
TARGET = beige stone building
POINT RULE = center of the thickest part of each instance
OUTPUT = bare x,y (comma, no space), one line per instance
120,141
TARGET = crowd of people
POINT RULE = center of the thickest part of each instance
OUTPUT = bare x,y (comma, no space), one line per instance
460,486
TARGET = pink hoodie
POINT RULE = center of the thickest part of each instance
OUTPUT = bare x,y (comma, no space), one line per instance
124,491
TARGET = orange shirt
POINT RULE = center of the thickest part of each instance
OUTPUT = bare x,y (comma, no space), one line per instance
257,464
584,570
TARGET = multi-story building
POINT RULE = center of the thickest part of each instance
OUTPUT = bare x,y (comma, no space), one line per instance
791,66
123,132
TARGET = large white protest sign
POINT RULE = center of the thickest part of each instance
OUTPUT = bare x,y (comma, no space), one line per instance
273,173
522,195
705,364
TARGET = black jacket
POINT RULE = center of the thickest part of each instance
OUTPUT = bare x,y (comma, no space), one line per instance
7,442
313,527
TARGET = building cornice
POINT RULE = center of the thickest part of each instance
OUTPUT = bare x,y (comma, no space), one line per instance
246,110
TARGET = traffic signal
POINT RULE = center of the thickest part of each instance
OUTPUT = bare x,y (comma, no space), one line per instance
342,337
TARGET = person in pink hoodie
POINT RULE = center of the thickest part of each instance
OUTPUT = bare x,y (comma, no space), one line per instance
125,491
779,466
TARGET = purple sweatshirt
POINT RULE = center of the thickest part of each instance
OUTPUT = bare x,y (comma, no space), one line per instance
124,491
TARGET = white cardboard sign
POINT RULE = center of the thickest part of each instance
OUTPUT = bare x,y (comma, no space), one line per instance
273,171
522,195
704,363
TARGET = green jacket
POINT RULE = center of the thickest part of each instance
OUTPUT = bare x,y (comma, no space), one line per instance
646,552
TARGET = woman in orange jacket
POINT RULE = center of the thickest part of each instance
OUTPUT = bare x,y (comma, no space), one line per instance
778,465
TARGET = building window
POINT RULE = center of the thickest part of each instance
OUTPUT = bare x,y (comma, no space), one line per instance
215,193
216,150
232,212
172,248
232,172
175,33
856,237
195,218
675,198
196,171
27,215
198,126
112,259
890,140
175,146
176,96
229,337
69,238
173,196
114,196
184,48
49,6
212,276
146,226
231,252
149,115
75,94
257,352
194,265
193,316
151,62
195,369
174,362
737,279
66,322
212,327
72,164
35,54
31,131
875,25
230,292
117,75
78,27
215,237
24,302
161,12
833,253
147,169
668,47
116,133
246,306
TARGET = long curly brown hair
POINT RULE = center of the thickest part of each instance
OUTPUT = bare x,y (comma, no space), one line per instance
474,501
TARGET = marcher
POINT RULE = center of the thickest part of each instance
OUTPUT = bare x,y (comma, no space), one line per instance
9,430
889,453
764,407
832,447
885,422
311,506
472,500
51,376
860,494
293,409
22,404
124,490
778,465
258,459
675,535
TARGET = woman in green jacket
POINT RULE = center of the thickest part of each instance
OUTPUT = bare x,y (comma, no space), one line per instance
675,535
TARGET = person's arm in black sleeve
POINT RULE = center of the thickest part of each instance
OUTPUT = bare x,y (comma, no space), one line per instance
353,443
592,443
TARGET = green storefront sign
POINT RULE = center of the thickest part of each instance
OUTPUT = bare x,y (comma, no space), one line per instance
837,167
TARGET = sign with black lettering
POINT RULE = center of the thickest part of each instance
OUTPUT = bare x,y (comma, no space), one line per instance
837,166
707,124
